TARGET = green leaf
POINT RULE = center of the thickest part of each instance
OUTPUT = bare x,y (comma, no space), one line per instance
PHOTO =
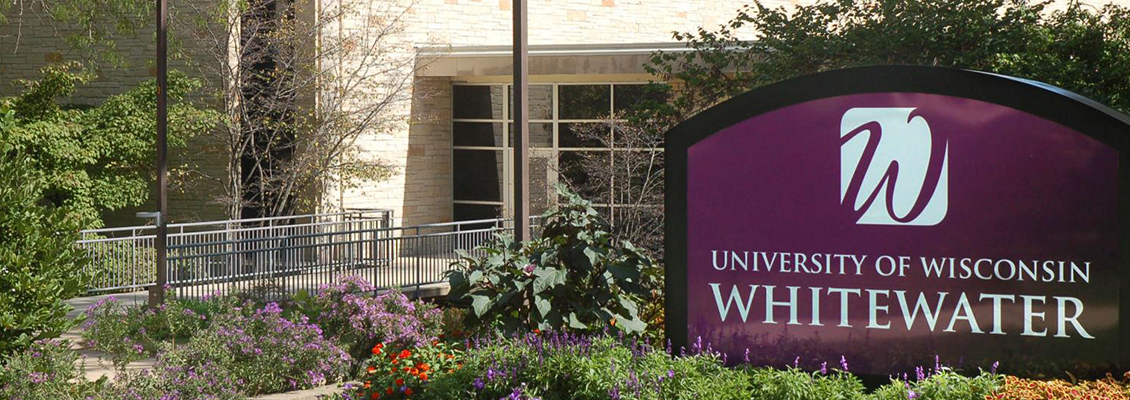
630,325
593,255
629,305
480,304
624,273
548,278
544,307
575,323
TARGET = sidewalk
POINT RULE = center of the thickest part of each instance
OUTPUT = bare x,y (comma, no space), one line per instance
90,359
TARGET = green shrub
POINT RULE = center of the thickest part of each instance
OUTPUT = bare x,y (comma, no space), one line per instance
942,384
40,266
46,370
795,384
564,366
574,277
95,159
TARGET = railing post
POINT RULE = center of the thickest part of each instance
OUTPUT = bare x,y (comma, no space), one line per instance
160,244
418,266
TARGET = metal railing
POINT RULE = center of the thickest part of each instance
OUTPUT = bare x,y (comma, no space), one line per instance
276,257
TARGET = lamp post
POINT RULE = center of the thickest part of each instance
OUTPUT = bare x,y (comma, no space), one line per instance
157,291
521,124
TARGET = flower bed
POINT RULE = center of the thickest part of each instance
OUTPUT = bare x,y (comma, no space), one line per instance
224,348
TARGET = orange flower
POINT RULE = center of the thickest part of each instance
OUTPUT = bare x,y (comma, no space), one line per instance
537,331
378,347
424,377
375,396
368,384
435,342
371,369
388,390
450,356
399,382
394,369
423,367
405,353
408,392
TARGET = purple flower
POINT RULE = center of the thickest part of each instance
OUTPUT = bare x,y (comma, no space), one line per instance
995,365
478,384
528,269
746,359
920,372
614,393
843,363
796,362
824,368
670,373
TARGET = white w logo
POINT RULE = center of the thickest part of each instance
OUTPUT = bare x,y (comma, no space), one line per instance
890,152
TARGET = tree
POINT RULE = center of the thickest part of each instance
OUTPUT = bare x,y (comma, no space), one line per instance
1077,48
298,91
635,181
98,159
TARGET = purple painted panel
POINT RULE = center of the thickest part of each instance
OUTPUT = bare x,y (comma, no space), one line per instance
991,231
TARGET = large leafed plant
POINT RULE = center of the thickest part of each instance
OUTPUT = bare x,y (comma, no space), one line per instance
574,277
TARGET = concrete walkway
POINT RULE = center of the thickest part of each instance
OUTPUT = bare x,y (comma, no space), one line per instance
97,364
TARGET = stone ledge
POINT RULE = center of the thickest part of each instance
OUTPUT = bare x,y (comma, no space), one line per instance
317,393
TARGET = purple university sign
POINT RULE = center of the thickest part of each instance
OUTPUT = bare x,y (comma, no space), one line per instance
948,213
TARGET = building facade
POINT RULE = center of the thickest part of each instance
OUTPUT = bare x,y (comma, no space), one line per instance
452,152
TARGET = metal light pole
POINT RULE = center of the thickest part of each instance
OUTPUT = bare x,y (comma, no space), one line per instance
157,291
521,124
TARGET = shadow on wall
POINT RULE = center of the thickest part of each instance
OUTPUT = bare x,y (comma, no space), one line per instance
427,167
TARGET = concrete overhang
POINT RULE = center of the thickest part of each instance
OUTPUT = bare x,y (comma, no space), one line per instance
579,59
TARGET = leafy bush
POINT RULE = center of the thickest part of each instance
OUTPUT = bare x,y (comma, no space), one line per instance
96,159
795,384
349,313
129,334
1079,48
567,366
39,264
574,277
47,370
258,350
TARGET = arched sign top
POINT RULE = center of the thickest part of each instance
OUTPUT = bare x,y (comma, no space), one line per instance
1051,102
890,214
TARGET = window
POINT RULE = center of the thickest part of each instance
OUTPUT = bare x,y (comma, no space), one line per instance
563,119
